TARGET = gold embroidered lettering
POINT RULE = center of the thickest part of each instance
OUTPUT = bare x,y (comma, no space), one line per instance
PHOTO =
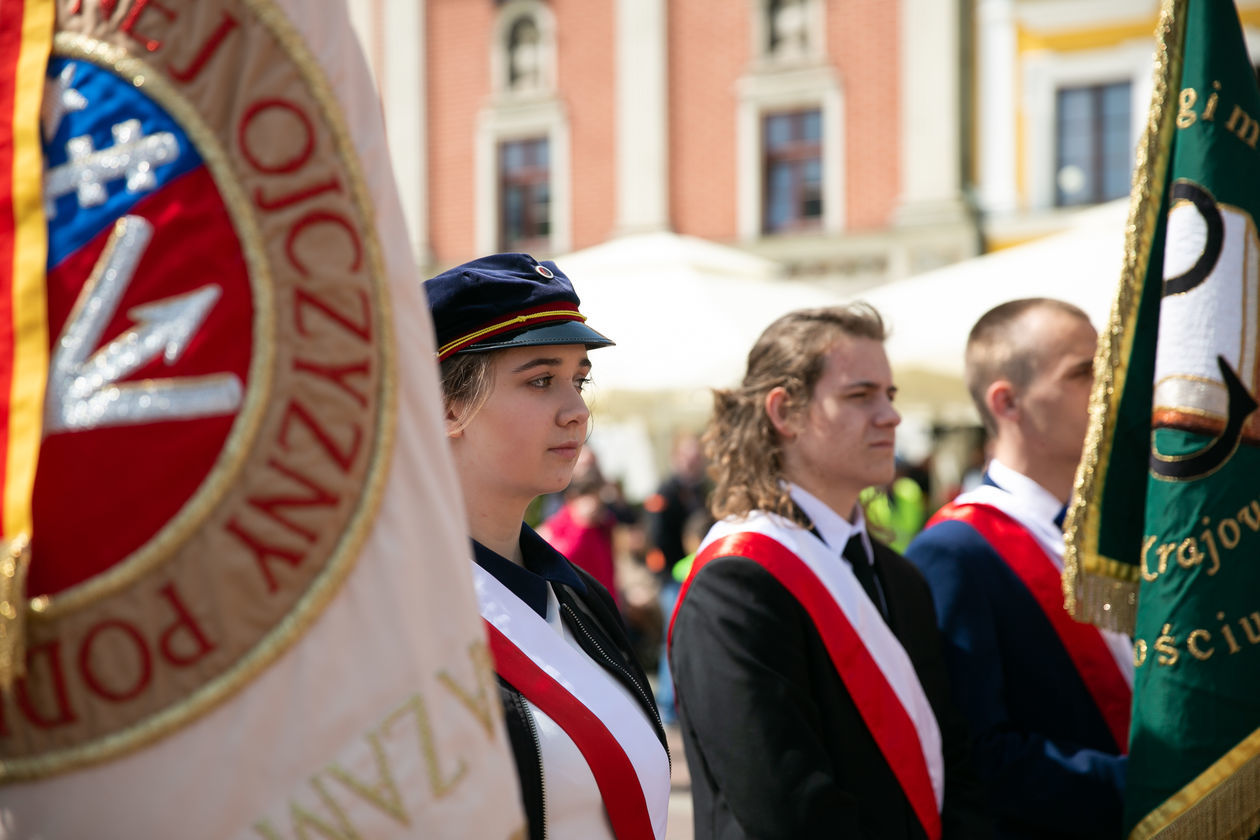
428,748
1188,555
1165,645
1185,114
485,703
1210,110
1250,515
1252,633
302,821
348,830
1228,633
1147,545
1210,542
384,794
1192,644
1247,129
1229,532
1163,551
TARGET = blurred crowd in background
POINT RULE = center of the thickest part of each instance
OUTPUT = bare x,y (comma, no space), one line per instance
641,549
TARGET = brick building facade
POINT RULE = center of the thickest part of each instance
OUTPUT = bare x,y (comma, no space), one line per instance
787,128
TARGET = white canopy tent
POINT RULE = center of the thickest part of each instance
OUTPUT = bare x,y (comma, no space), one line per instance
930,314
684,313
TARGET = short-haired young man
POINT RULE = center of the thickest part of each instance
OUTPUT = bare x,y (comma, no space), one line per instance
1047,697
810,681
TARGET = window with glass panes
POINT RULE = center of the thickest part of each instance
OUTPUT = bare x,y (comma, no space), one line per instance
1094,143
792,144
524,194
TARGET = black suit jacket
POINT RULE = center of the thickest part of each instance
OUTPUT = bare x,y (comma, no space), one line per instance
775,745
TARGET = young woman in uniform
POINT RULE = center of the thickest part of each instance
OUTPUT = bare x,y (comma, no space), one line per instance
589,747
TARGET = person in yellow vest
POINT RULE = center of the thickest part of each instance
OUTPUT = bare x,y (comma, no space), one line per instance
896,511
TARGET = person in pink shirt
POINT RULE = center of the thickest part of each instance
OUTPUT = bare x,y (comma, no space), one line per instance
582,529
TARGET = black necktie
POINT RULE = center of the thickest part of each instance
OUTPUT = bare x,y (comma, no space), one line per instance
855,553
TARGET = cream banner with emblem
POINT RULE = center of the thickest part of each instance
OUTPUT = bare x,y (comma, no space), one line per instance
290,646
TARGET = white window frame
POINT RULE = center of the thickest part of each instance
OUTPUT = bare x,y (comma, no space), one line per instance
496,125
522,114
1045,73
766,93
500,62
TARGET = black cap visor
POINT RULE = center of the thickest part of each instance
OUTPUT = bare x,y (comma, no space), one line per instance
560,332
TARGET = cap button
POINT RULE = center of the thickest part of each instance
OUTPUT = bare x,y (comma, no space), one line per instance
544,271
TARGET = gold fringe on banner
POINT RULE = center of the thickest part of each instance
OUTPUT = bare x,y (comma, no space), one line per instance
1106,603
1221,804
1104,590
14,563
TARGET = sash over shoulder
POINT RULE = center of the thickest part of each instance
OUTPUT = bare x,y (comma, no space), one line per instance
612,733
875,668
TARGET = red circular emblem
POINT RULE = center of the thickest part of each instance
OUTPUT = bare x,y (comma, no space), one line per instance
219,407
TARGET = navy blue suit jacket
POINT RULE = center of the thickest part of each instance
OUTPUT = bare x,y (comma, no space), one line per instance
1041,746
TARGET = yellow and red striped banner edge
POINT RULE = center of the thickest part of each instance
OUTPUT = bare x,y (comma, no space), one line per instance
26,30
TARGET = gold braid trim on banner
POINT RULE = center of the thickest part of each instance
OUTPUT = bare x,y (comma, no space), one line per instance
1102,590
28,365
15,561
1221,803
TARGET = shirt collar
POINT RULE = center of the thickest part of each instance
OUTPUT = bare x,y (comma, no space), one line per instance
543,565
1037,499
834,529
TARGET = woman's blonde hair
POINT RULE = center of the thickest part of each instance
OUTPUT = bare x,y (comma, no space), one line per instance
467,380
741,443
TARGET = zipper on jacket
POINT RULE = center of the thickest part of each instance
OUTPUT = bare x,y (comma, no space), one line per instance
542,779
648,704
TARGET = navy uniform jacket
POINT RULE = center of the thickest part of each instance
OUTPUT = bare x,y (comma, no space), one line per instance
1040,744
775,745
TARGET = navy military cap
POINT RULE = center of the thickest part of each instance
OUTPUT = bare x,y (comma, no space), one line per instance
506,300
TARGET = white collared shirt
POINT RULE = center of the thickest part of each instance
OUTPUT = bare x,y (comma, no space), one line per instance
1037,504
835,530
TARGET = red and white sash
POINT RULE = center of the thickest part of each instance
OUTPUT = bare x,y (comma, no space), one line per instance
870,660
1103,659
611,731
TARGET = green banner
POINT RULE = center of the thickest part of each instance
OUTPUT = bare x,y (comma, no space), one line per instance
1168,506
